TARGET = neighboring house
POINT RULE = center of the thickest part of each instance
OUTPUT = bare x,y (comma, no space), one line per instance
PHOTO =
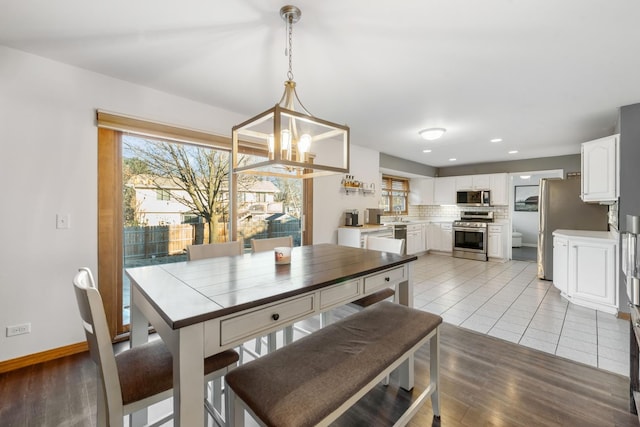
157,201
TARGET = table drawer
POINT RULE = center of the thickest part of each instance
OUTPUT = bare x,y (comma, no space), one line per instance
247,325
384,279
341,293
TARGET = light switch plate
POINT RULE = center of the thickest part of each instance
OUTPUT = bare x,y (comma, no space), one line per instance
62,221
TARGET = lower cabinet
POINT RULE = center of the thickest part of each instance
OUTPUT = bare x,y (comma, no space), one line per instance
415,239
496,240
440,237
561,264
585,269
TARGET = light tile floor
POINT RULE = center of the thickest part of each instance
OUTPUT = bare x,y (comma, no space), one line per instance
507,301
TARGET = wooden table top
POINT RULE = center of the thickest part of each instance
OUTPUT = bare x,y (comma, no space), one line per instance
190,292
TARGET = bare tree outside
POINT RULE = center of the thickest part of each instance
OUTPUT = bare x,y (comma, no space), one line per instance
196,177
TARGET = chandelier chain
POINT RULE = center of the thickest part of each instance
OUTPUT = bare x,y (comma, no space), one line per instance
290,51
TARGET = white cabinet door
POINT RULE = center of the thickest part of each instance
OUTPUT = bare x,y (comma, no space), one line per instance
499,186
423,236
464,182
433,236
421,191
561,264
473,182
495,243
591,271
444,191
414,239
481,182
446,237
600,170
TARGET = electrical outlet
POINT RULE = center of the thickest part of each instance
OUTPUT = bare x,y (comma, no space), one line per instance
14,330
62,221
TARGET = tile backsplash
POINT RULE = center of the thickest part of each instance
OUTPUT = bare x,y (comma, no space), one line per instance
453,212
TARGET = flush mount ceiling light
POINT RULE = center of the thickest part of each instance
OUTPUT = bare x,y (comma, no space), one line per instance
525,176
496,140
432,133
513,152
286,140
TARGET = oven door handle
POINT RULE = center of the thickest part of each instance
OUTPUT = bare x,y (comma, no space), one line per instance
472,229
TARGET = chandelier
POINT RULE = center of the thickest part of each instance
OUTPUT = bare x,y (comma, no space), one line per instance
286,140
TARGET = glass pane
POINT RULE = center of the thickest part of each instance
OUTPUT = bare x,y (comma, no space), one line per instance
269,207
174,195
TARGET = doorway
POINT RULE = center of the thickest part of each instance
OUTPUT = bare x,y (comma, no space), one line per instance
525,219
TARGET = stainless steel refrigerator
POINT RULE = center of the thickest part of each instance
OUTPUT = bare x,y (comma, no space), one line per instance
560,207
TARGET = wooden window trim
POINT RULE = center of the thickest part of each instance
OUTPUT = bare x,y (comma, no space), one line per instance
387,185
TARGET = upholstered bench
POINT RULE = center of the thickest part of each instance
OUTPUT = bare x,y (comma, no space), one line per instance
317,378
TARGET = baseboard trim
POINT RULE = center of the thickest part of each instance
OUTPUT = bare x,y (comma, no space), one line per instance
44,356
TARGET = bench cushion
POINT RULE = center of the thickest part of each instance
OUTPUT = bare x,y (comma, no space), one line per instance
304,382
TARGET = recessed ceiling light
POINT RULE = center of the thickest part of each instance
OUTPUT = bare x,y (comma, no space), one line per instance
426,151
496,140
432,133
525,176
513,151
453,159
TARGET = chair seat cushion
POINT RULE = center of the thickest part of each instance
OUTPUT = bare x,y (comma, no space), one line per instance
374,298
302,383
147,369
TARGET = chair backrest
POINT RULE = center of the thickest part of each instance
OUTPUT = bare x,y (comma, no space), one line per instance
262,245
384,244
213,250
96,330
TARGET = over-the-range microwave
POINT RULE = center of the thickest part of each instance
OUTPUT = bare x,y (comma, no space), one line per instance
473,198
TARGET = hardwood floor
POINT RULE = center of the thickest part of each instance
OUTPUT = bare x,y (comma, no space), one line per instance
485,381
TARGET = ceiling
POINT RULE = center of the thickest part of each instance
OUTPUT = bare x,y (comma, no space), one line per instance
543,75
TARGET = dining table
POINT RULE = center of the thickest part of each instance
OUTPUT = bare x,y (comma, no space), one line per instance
200,308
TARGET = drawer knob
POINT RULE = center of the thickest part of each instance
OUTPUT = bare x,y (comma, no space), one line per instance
275,316
386,279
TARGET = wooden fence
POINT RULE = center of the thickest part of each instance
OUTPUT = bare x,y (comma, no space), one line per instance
168,240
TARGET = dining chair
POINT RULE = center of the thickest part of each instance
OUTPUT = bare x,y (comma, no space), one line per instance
212,250
263,245
140,376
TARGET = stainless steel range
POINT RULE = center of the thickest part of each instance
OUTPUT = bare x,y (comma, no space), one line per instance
470,235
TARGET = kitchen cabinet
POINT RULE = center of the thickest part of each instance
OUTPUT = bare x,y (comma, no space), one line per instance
444,191
586,270
440,237
421,191
473,182
415,240
561,264
496,241
600,170
499,186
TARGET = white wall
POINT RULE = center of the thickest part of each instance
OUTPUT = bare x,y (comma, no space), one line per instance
48,165
329,202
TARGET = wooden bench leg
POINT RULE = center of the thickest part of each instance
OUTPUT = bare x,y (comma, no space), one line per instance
434,375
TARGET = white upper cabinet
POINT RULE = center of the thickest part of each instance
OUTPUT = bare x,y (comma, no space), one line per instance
421,191
444,191
600,161
473,182
499,189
